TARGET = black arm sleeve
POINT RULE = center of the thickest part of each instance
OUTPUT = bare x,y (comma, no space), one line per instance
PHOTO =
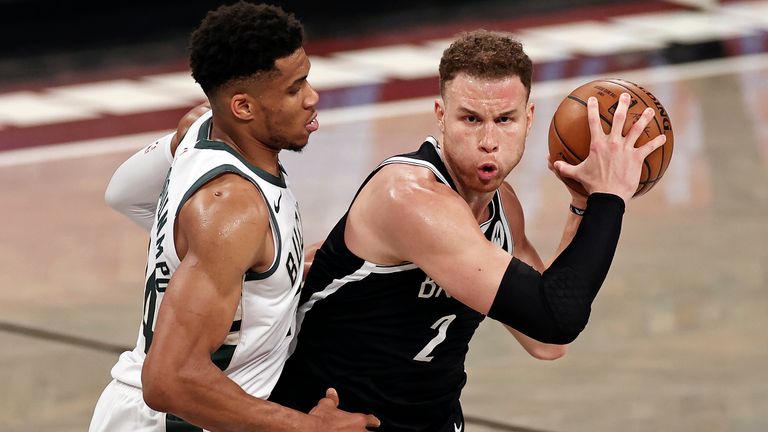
554,307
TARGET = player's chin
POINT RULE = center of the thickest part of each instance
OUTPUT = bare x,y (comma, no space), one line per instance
296,146
298,142
487,185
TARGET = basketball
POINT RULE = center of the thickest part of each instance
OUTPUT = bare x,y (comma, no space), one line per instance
569,134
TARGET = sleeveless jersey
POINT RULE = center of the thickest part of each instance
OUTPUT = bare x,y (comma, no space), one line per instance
388,338
254,351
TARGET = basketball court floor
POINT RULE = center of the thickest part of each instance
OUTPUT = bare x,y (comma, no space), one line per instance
677,340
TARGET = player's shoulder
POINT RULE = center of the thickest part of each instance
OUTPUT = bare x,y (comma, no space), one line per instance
229,200
225,221
406,189
405,178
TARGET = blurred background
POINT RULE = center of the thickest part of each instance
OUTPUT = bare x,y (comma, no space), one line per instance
676,341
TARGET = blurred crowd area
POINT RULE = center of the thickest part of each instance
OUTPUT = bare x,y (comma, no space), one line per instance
50,40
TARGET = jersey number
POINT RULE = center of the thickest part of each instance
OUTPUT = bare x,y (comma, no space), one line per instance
442,328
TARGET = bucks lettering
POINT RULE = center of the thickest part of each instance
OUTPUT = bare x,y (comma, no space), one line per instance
158,280
295,254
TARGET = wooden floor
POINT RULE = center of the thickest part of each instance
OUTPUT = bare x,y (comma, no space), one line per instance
677,340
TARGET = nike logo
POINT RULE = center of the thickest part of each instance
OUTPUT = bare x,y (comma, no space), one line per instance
457,428
277,204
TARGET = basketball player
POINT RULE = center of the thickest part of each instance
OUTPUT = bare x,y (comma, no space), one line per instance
435,240
223,268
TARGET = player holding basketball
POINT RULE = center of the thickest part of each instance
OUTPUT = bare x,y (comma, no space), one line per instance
224,261
434,241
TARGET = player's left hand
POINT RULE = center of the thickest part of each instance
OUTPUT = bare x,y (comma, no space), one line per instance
614,163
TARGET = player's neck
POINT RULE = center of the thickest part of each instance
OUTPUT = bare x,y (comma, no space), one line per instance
477,201
253,151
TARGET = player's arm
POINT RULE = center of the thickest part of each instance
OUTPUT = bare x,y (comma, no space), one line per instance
416,219
525,251
410,218
223,231
135,186
579,202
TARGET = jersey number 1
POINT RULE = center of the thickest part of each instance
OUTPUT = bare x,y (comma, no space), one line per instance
442,328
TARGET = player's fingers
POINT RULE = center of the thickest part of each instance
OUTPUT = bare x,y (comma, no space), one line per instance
550,165
564,169
593,117
652,145
637,129
324,405
333,396
620,117
371,421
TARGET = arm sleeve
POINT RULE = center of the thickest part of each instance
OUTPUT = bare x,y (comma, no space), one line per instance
554,307
135,187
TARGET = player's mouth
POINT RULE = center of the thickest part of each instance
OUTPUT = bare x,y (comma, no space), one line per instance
313,124
487,171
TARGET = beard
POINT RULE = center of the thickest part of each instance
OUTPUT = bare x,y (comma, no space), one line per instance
282,143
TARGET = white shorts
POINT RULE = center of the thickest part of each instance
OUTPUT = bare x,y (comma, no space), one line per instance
121,408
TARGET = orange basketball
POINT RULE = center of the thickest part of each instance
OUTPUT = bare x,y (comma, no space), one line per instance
569,130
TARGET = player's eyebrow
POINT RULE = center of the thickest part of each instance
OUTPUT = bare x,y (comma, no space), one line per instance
507,113
299,80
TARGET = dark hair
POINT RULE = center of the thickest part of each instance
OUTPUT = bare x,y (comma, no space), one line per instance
486,54
240,40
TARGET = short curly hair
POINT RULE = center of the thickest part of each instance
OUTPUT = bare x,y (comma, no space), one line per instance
486,54
240,40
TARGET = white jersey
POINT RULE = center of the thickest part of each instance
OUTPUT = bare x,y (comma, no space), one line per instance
257,345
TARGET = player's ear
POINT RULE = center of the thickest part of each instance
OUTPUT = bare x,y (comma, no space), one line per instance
241,106
440,114
529,113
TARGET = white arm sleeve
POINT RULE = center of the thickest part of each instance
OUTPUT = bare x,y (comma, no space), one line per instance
137,183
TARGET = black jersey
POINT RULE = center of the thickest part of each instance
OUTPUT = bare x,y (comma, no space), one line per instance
388,338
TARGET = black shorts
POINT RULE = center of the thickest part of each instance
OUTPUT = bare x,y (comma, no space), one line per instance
455,421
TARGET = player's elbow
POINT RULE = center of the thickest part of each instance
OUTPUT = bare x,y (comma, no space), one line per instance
158,386
113,197
548,351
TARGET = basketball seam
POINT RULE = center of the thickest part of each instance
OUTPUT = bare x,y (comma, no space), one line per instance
565,145
574,98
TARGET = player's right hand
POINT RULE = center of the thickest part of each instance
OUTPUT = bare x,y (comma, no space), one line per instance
334,419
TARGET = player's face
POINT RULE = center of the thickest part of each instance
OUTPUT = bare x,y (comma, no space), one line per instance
485,123
286,104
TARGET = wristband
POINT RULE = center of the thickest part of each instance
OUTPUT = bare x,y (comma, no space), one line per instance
577,211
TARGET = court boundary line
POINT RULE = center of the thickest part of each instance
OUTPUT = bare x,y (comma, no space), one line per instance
504,427
352,114
67,339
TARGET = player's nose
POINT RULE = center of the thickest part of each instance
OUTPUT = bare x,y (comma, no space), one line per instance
312,98
487,142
